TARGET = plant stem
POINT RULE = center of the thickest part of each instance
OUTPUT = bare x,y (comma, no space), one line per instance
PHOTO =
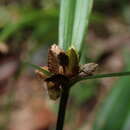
98,76
118,74
62,109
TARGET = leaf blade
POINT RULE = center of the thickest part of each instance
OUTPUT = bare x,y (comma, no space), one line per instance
38,68
67,10
114,114
115,108
98,76
83,10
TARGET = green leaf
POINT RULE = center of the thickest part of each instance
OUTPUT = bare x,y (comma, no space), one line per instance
127,122
114,111
74,16
38,68
98,76
82,57
107,75
82,13
29,19
67,10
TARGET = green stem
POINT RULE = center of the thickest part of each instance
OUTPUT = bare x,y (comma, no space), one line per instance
97,76
107,75
62,109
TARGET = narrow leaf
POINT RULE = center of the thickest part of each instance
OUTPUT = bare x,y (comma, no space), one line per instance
97,76
82,13
39,68
28,19
108,75
115,108
67,10
114,114
127,122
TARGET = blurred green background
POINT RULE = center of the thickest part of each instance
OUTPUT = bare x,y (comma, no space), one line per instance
27,29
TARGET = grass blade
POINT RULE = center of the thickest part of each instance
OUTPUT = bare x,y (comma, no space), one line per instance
114,114
67,10
115,108
38,68
127,122
108,75
98,76
82,12
29,19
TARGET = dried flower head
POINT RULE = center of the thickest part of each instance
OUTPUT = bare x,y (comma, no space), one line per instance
64,66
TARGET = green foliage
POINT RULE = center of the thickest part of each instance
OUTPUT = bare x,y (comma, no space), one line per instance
74,15
67,10
96,76
34,19
82,13
83,91
73,23
38,68
126,125
114,114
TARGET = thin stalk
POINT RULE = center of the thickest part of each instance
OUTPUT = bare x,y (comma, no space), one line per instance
62,109
97,76
48,73
107,75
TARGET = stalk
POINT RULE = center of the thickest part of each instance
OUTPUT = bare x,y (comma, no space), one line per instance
62,108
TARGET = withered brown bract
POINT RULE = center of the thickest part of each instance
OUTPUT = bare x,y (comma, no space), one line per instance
58,79
54,93
54,85
63,59
53,61
53,90
57,60
88,69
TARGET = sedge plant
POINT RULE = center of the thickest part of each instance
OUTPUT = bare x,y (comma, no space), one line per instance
64,69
